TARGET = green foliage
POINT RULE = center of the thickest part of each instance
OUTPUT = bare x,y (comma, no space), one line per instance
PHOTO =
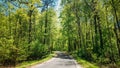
22,31
84,63
34,62
89,27
38,50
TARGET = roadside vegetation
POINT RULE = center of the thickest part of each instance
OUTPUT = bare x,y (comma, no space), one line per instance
89,29
27,64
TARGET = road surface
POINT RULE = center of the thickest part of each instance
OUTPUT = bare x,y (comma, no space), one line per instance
60,61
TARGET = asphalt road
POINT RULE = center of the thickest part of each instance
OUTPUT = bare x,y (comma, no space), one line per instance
62,60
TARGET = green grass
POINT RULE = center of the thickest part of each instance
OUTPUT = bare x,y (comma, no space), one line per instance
118,64
84,63
87,64
27,64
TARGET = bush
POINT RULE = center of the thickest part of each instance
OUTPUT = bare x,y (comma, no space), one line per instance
38,50
11,53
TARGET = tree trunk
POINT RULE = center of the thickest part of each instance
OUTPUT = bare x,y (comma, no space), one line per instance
116,27
30,26
46,24
78,23
100,33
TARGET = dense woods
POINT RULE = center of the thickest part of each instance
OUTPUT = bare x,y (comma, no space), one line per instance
31,29
91,29
27,30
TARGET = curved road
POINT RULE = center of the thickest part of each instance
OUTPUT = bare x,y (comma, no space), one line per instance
60,61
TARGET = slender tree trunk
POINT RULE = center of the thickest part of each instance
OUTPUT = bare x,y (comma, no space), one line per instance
97,29
79,29
117,39
10,30
34,28
95,48
41,35
78,23
116,27
100,33
30,26
109,37
46,24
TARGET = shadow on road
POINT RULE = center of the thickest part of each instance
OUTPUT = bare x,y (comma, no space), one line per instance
66,59
62,55
60,60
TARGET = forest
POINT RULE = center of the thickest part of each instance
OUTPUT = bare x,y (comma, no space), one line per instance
87,29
